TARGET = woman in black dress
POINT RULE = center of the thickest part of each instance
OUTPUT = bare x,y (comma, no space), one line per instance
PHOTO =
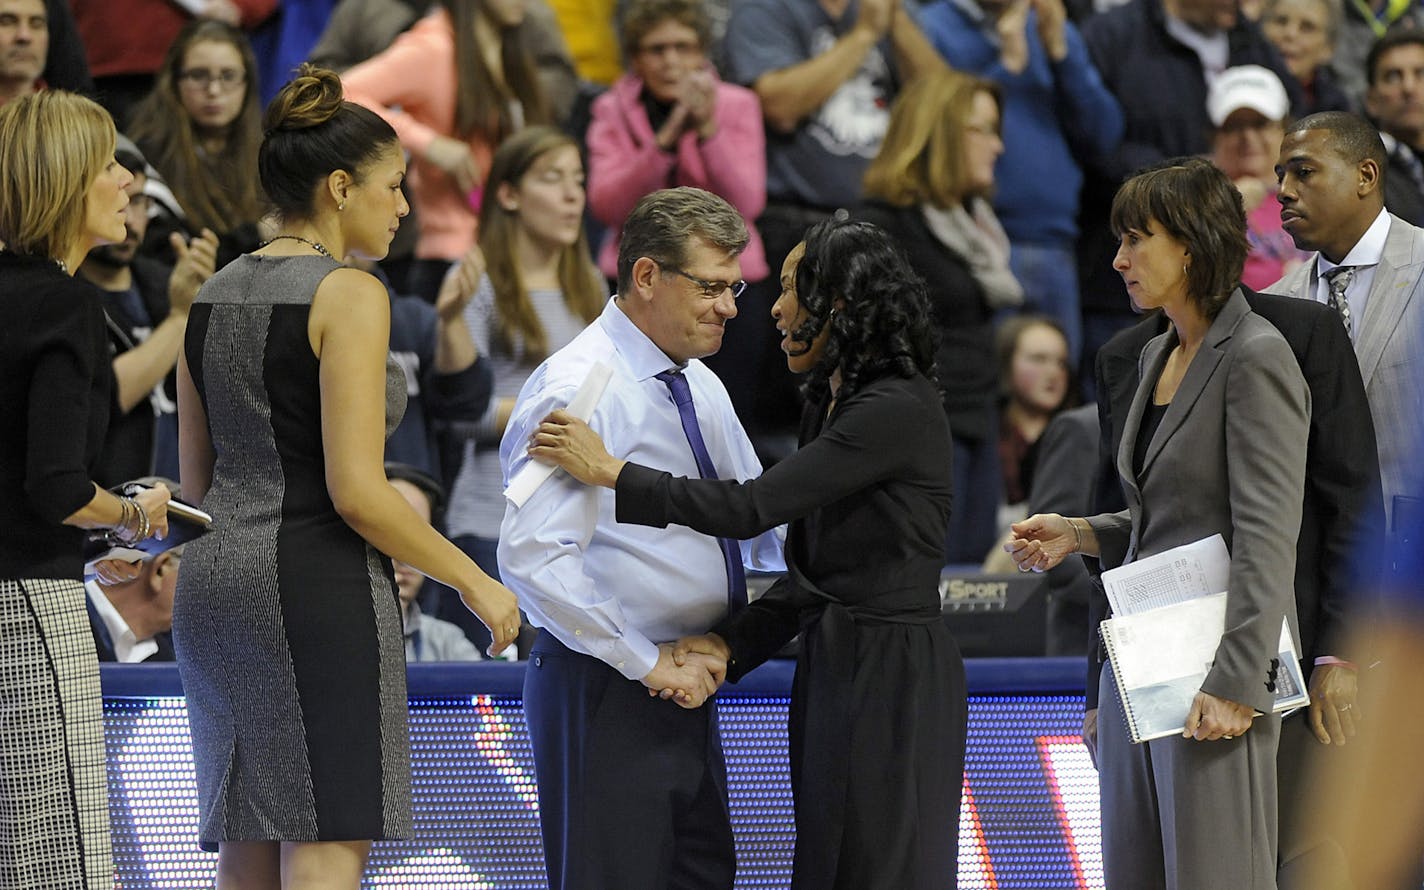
286,620
61,193
878,710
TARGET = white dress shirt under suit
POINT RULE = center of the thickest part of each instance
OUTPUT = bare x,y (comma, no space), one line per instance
1364,257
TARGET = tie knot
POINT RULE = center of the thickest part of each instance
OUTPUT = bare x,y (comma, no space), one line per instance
1340,277
677,385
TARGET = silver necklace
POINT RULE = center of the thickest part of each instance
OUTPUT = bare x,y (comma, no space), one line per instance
314,245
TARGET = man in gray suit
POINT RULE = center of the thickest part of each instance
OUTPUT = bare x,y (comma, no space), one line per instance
1368,269
1369,266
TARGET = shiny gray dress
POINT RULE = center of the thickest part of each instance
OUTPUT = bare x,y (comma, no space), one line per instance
286,622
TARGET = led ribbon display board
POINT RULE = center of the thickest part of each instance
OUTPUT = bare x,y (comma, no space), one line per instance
1029,815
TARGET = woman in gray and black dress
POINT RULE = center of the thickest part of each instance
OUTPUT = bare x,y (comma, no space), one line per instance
286,621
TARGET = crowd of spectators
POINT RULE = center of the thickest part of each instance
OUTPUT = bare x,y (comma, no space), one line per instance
1032,112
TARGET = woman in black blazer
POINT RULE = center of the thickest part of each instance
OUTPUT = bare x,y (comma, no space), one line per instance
61,193
1214,443
880,680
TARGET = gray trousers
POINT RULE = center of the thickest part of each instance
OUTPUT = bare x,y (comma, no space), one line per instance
1178,814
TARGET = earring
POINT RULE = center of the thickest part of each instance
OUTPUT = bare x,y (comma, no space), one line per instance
341,206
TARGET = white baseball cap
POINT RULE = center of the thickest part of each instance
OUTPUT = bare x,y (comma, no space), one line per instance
1247,86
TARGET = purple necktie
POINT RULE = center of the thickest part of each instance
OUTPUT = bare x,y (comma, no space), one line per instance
731,553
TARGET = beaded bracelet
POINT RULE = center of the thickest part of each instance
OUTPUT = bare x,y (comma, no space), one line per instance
133,525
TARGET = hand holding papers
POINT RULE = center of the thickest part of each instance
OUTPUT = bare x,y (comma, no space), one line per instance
1169,614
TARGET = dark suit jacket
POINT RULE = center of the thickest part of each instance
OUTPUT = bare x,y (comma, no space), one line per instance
1401,194
1342,516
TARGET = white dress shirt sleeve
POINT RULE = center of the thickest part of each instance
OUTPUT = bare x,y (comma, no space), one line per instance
542,547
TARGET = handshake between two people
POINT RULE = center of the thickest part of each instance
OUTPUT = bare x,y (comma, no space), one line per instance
689,671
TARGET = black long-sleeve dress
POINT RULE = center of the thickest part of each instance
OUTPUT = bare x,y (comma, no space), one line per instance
878,709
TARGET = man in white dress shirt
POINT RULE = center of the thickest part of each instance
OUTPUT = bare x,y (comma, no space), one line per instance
632,789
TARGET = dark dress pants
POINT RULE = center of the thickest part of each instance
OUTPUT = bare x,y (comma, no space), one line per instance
632,789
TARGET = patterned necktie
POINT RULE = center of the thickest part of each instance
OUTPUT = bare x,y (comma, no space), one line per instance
731,553
1339,279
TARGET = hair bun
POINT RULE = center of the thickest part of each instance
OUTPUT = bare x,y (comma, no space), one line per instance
310,99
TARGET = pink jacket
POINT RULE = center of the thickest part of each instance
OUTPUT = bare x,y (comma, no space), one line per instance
625,163
412,85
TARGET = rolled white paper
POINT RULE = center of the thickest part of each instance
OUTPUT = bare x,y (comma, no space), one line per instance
533,473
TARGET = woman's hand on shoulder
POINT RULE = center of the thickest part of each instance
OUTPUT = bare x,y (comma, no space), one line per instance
565,441
497,609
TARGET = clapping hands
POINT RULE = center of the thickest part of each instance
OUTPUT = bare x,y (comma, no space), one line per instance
689,671
695,110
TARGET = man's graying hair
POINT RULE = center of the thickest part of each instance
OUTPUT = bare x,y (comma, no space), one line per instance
663,224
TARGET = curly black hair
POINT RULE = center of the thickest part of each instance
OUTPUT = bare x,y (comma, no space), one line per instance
854,279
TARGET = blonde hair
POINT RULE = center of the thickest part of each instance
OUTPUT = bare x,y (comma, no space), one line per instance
921,160
53,145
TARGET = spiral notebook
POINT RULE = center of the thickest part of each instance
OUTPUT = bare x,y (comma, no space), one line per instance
1161,656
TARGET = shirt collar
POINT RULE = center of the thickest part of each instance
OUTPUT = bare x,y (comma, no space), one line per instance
119,631
1368,251
642,356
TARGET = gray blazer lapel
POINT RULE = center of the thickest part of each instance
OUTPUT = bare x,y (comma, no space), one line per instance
1296,283
1390,293
1204,364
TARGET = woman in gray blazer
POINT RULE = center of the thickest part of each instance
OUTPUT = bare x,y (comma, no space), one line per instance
1214,443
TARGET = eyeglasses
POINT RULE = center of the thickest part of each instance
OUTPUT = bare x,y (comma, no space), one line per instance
710,289
202,78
